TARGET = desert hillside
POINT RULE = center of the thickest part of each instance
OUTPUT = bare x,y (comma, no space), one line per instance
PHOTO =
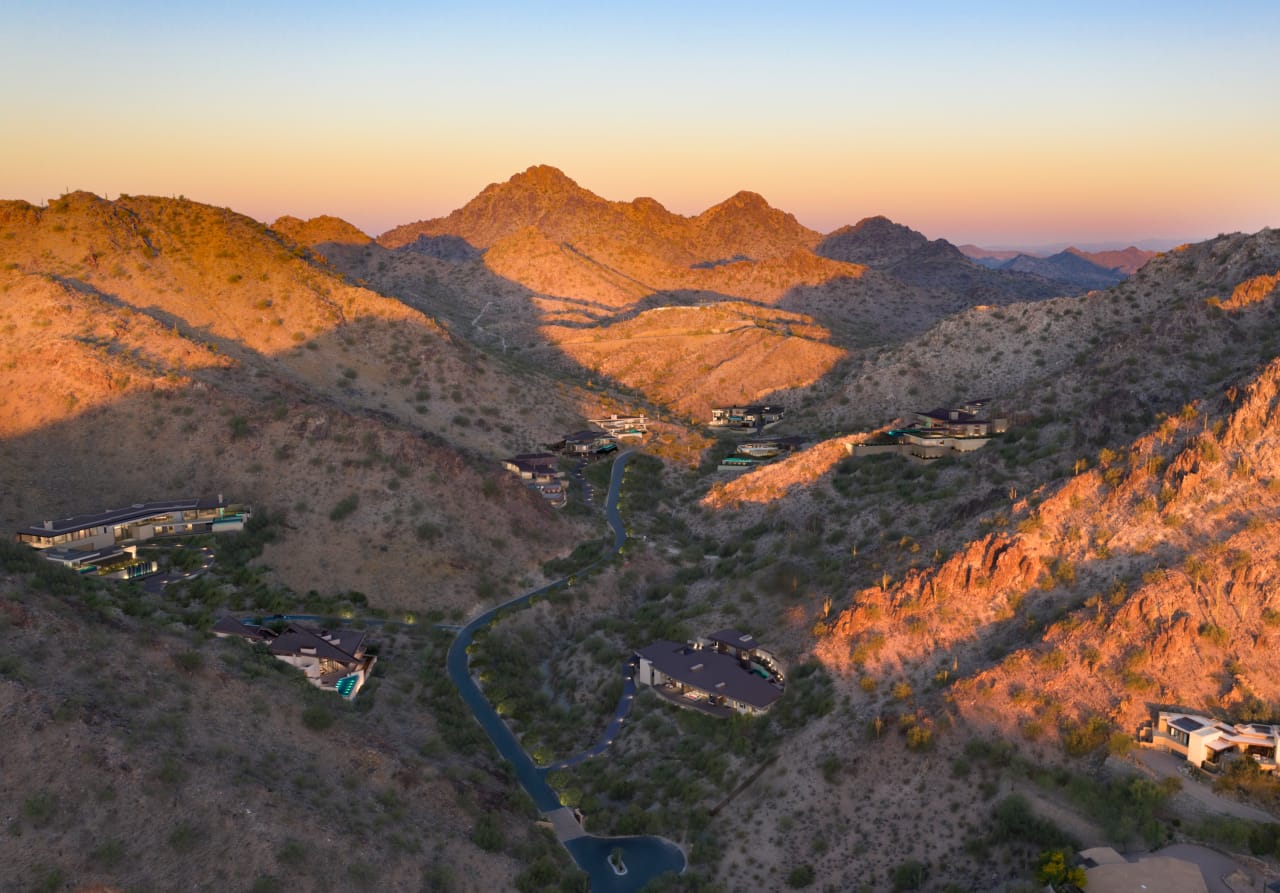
157,347
541,265
1110,552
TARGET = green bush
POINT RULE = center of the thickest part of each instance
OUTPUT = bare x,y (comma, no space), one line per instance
346,505
1087,737
487,835
40,808
801,876
910,875
317,718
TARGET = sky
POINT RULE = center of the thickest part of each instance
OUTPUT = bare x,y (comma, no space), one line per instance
1002,124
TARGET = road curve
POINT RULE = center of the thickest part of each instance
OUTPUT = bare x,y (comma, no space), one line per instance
645,857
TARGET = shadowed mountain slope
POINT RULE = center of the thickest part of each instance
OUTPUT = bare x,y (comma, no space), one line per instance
909,257
153,346
1070,267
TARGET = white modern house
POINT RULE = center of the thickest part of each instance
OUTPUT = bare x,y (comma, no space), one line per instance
1209,742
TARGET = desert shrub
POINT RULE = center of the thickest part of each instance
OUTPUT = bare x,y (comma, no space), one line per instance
317,718
40,808
1052,868
1014,820
109,853
910,875
48,879
292,852
1120,744
801,876
1214,633
184,837
345,507
1086,737
487,834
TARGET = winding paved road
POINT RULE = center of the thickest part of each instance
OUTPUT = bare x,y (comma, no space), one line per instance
645,857
614,729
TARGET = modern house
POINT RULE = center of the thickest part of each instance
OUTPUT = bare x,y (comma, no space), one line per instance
586,443
769,447
753,416
331,660
533,466
934,434
623,426
540,472
967,420
88,542
719,674
1208,743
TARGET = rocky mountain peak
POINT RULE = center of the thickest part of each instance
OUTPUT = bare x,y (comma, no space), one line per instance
544,178
874,241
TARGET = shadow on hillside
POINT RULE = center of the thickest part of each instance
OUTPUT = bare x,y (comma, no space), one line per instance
502,313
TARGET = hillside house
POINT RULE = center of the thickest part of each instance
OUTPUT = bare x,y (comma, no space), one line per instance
720,674
331,660
967,420
769,447
623,426
1208,743
933,434
540,472
108,538
533,466
587,443
753,416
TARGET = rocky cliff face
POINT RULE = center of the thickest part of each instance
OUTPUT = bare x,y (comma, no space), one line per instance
1142,579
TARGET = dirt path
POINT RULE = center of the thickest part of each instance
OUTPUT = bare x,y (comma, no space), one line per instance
1061,814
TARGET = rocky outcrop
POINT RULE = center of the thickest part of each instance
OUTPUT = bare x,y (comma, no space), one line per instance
1253,290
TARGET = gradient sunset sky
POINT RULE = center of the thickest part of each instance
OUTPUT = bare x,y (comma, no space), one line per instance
994,123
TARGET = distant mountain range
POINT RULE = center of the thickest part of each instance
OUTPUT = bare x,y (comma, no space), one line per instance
1127,261
597,278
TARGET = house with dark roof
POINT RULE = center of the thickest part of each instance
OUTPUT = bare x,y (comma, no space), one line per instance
936,433
720,674
141,521
332,660
586,443
966,420
533,466
540,472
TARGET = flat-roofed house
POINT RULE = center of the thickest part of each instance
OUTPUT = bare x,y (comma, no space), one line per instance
1206,742
588,443
698,674
533,466
752,416
137,522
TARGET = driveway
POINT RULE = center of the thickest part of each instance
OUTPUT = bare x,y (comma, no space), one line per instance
1215,867
1197,796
